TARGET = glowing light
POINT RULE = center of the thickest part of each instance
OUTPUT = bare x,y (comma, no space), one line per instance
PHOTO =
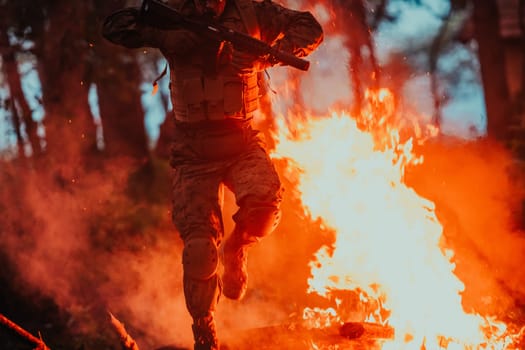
388,240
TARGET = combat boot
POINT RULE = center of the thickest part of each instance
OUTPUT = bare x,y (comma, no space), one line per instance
204,334
234,255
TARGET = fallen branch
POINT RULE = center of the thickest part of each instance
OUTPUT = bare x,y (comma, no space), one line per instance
349,335
355,330
127,342
40,345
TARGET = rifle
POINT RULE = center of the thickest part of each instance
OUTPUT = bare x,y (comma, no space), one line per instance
157,10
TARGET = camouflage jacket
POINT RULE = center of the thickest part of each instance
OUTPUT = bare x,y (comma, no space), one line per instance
205,85
300,31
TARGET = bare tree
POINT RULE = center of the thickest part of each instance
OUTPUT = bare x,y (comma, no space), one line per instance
492,63
118,77
442,38
18,105
60,49
351,19
521,21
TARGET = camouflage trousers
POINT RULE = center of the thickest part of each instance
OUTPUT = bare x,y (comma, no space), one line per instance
197,213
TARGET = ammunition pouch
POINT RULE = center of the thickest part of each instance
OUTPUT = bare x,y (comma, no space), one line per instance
220,145
219,141
198,98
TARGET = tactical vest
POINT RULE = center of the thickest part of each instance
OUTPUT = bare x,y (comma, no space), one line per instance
197,96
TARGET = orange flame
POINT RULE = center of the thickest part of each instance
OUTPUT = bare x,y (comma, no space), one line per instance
388,240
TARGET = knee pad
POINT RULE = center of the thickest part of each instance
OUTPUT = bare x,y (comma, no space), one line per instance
261,220
200,258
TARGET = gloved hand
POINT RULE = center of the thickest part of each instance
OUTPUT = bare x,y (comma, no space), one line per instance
245,63
284,46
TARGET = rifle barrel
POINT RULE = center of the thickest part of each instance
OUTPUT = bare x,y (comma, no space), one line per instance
241,41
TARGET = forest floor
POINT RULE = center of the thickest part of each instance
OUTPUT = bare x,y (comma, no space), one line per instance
42,318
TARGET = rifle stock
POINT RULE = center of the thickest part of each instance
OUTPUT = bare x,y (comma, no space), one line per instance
156,13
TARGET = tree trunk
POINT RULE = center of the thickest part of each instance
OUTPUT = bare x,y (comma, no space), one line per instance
352,21
492,62
70,130
521,94
118,78
18,100
119,96
380,14
441,39
435,51
117,75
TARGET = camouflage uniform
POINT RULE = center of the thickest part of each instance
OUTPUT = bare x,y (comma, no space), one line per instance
214,100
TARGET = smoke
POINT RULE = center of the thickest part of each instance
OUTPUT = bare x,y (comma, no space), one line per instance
153,304
45,230
478,189
75,236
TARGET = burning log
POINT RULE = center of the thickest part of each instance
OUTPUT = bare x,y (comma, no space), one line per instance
40,345
355,330
293,336
126,341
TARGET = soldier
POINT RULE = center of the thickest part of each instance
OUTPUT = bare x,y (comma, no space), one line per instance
214,91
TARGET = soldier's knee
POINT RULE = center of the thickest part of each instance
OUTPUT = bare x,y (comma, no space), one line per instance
200,258
259,221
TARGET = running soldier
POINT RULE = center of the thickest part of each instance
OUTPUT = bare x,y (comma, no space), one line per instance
214,91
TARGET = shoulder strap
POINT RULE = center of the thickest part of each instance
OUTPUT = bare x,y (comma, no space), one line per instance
249,18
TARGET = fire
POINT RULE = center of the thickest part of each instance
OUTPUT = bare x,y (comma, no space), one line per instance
388,246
